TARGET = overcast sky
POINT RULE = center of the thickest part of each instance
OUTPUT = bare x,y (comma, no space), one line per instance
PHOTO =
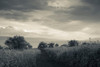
54,19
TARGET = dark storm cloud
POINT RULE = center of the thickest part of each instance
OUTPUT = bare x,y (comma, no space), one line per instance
20,9
89,11
17,15
92,2
71,17
22,4
85,13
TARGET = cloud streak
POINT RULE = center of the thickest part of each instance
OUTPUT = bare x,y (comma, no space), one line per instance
37,30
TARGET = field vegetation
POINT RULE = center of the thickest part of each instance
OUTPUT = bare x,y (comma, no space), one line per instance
20,53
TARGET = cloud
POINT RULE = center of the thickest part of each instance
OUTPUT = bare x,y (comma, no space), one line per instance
87,11
42,33
36,30
14,15
23,4
23,9
47,18
10,31
63,3
64,10
92,2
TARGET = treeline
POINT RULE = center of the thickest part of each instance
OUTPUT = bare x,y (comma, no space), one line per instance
19,42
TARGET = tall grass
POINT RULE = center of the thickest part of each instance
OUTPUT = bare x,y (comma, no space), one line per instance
15,58
79,56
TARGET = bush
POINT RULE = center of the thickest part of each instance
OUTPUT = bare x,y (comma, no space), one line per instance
56,45
17,42
51,45
73,43
42,45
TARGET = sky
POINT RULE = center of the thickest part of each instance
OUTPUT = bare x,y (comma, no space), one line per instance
52,19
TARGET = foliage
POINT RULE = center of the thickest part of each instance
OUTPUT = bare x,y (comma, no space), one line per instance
17,42
67,56
51,45
73,43
56,45
16,58
78,56
42,45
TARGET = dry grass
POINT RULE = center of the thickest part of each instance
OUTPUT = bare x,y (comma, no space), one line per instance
15,58
78,56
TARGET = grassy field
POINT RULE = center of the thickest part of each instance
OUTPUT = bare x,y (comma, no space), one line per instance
15,58
78,56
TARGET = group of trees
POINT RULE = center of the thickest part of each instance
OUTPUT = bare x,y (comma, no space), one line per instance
46,45
71,43
18,42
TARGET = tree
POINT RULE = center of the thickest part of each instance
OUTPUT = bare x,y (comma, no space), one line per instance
51,45
56,45
42,45
72,43
17,42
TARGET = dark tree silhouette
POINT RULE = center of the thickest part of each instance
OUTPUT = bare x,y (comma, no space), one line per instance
17,42
42,45
56,45
72,43
51,45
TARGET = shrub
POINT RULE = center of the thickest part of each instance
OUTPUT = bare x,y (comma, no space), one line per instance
56,45
51,45
17,42
42,45
73,43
